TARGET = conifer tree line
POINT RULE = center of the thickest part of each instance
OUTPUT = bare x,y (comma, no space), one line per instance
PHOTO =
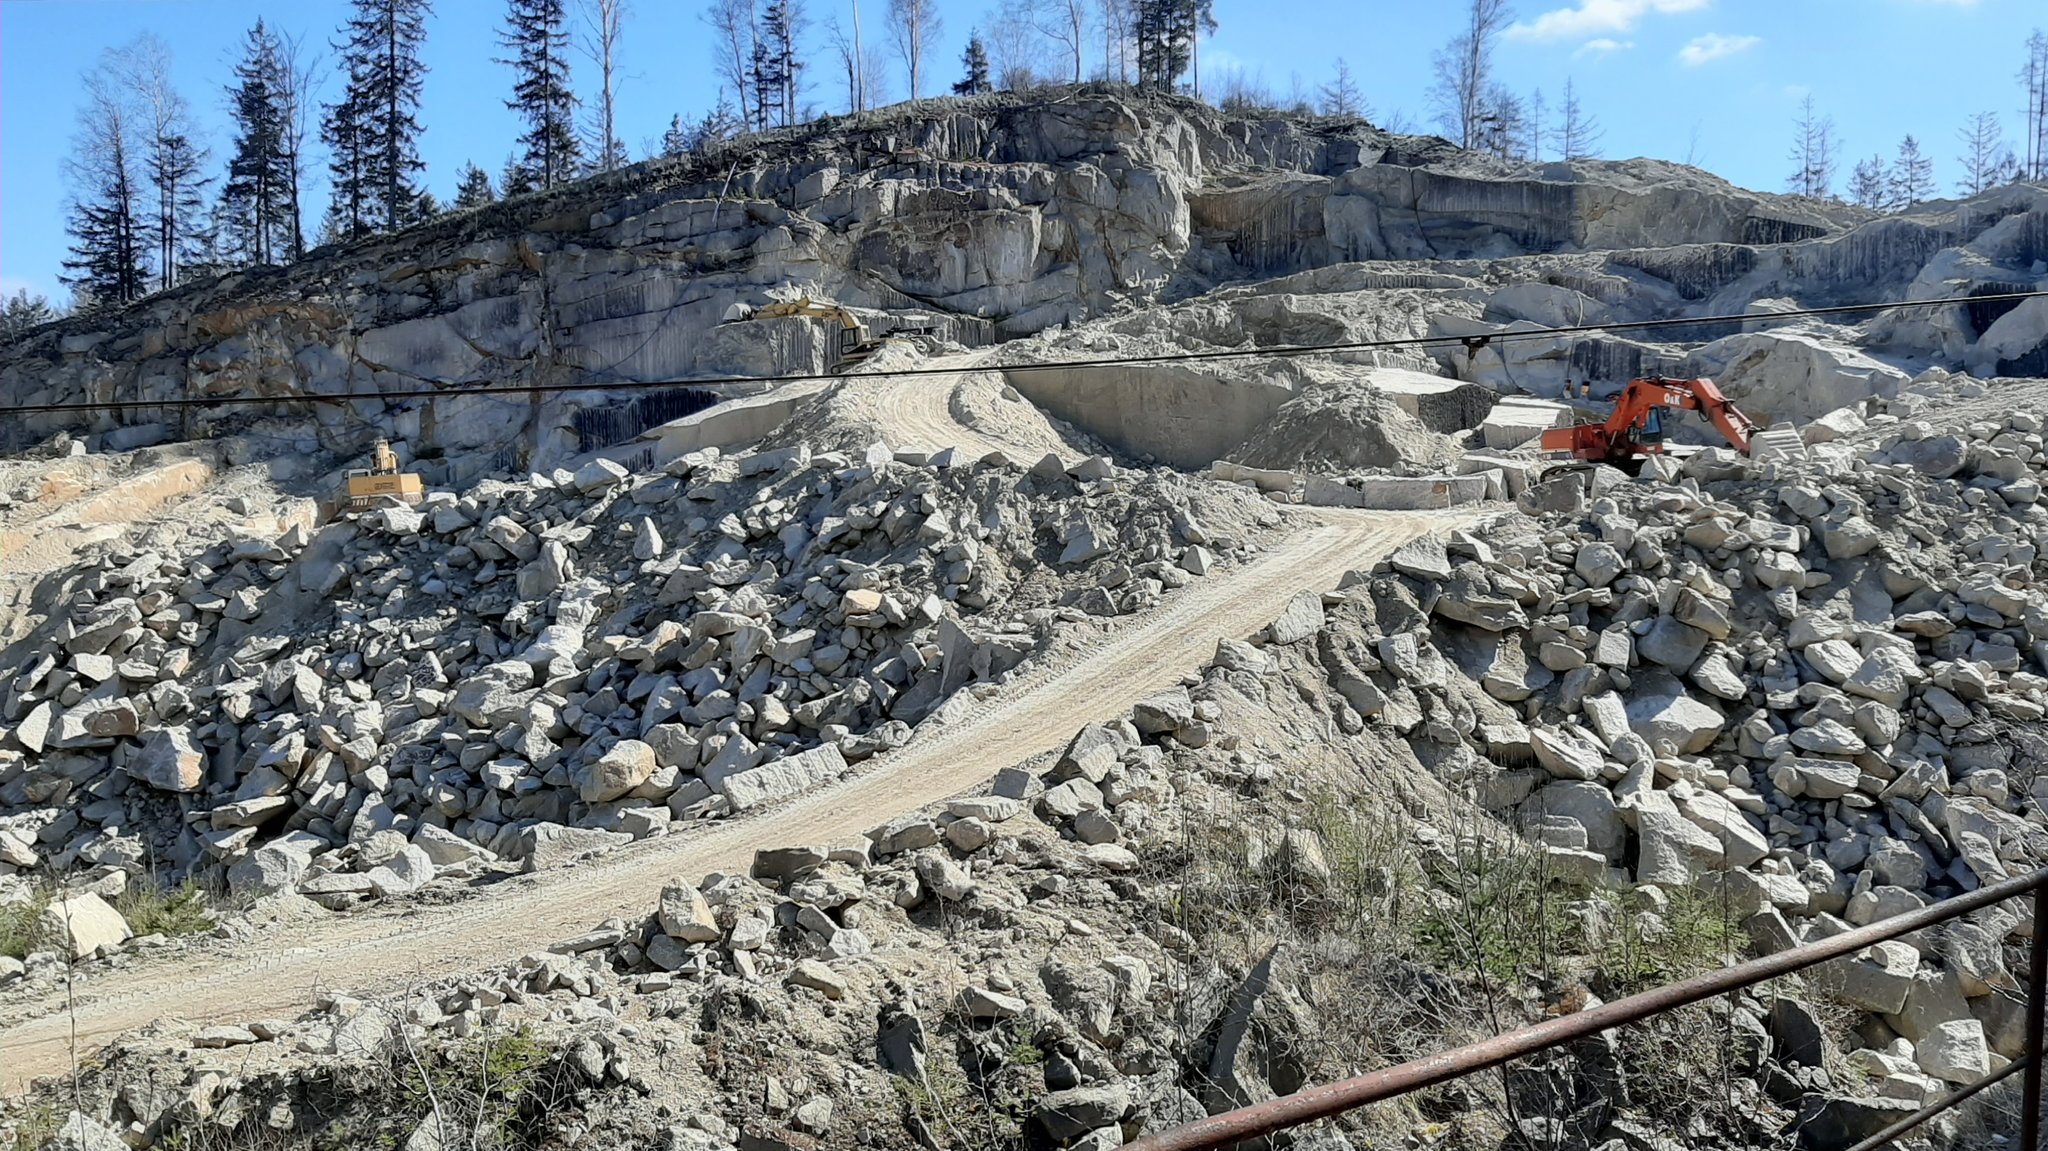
1984,158
153,204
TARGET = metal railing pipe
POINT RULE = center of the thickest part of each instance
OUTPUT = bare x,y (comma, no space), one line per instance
2025,1063
2037,1004
1322,1102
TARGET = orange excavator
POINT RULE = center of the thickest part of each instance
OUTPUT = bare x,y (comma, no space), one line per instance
1636,429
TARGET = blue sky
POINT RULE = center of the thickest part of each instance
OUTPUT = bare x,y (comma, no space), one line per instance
1716,81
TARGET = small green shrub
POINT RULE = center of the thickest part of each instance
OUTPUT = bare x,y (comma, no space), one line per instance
1697,935
152,909
21,926
1499,913
36,1125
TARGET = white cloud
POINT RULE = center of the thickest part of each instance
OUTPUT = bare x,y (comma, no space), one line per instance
1598,18
1604,46
1714,46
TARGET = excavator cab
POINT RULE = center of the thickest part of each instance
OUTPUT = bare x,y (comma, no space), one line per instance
381,479
1651,430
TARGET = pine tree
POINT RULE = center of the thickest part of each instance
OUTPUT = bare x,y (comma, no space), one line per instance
781,24
109,262
516,179
1504,125
974,66
254,194
766,71
376,151
1341,97
1912,179
343,126
1166,32
1577,134
536,32
2008,169
675,141
23,312
475,190
1812,154
732,28
721,123
776,67
1869,183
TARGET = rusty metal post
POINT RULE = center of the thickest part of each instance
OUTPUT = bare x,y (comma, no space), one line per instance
2037,1005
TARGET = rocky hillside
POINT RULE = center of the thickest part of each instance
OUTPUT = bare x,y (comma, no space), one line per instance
987,219
1726,711
945,753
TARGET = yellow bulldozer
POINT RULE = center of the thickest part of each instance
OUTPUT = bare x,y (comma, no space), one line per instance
382,478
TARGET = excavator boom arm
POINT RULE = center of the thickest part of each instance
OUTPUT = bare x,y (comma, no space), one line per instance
1634,427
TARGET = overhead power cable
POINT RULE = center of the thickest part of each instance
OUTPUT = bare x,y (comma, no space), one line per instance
1472,343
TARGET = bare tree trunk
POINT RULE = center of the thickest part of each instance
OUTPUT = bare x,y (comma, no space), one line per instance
296,76
913,23
860,80
146,65
606,19
1077,29
733,22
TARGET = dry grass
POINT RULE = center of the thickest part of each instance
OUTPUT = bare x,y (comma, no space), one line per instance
21,929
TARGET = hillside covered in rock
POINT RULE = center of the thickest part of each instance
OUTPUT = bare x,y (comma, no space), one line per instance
1161,672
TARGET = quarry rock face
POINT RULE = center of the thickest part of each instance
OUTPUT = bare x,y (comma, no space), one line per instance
1048,231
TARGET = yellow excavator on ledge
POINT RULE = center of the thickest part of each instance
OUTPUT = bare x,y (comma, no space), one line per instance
855,344
382,478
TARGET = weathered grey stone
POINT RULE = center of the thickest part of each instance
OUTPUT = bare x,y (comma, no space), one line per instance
818,977
82,924
1954,1051
548,845
1302,618
624,766
1674,644
1078,1110
170,761
685,916
1673,716
782,778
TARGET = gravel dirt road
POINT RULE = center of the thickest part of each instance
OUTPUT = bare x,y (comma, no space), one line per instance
278,973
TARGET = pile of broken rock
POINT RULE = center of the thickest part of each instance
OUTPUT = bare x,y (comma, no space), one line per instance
538,669
1810,688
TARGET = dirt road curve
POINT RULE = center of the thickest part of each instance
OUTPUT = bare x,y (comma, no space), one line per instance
961,411
372,952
